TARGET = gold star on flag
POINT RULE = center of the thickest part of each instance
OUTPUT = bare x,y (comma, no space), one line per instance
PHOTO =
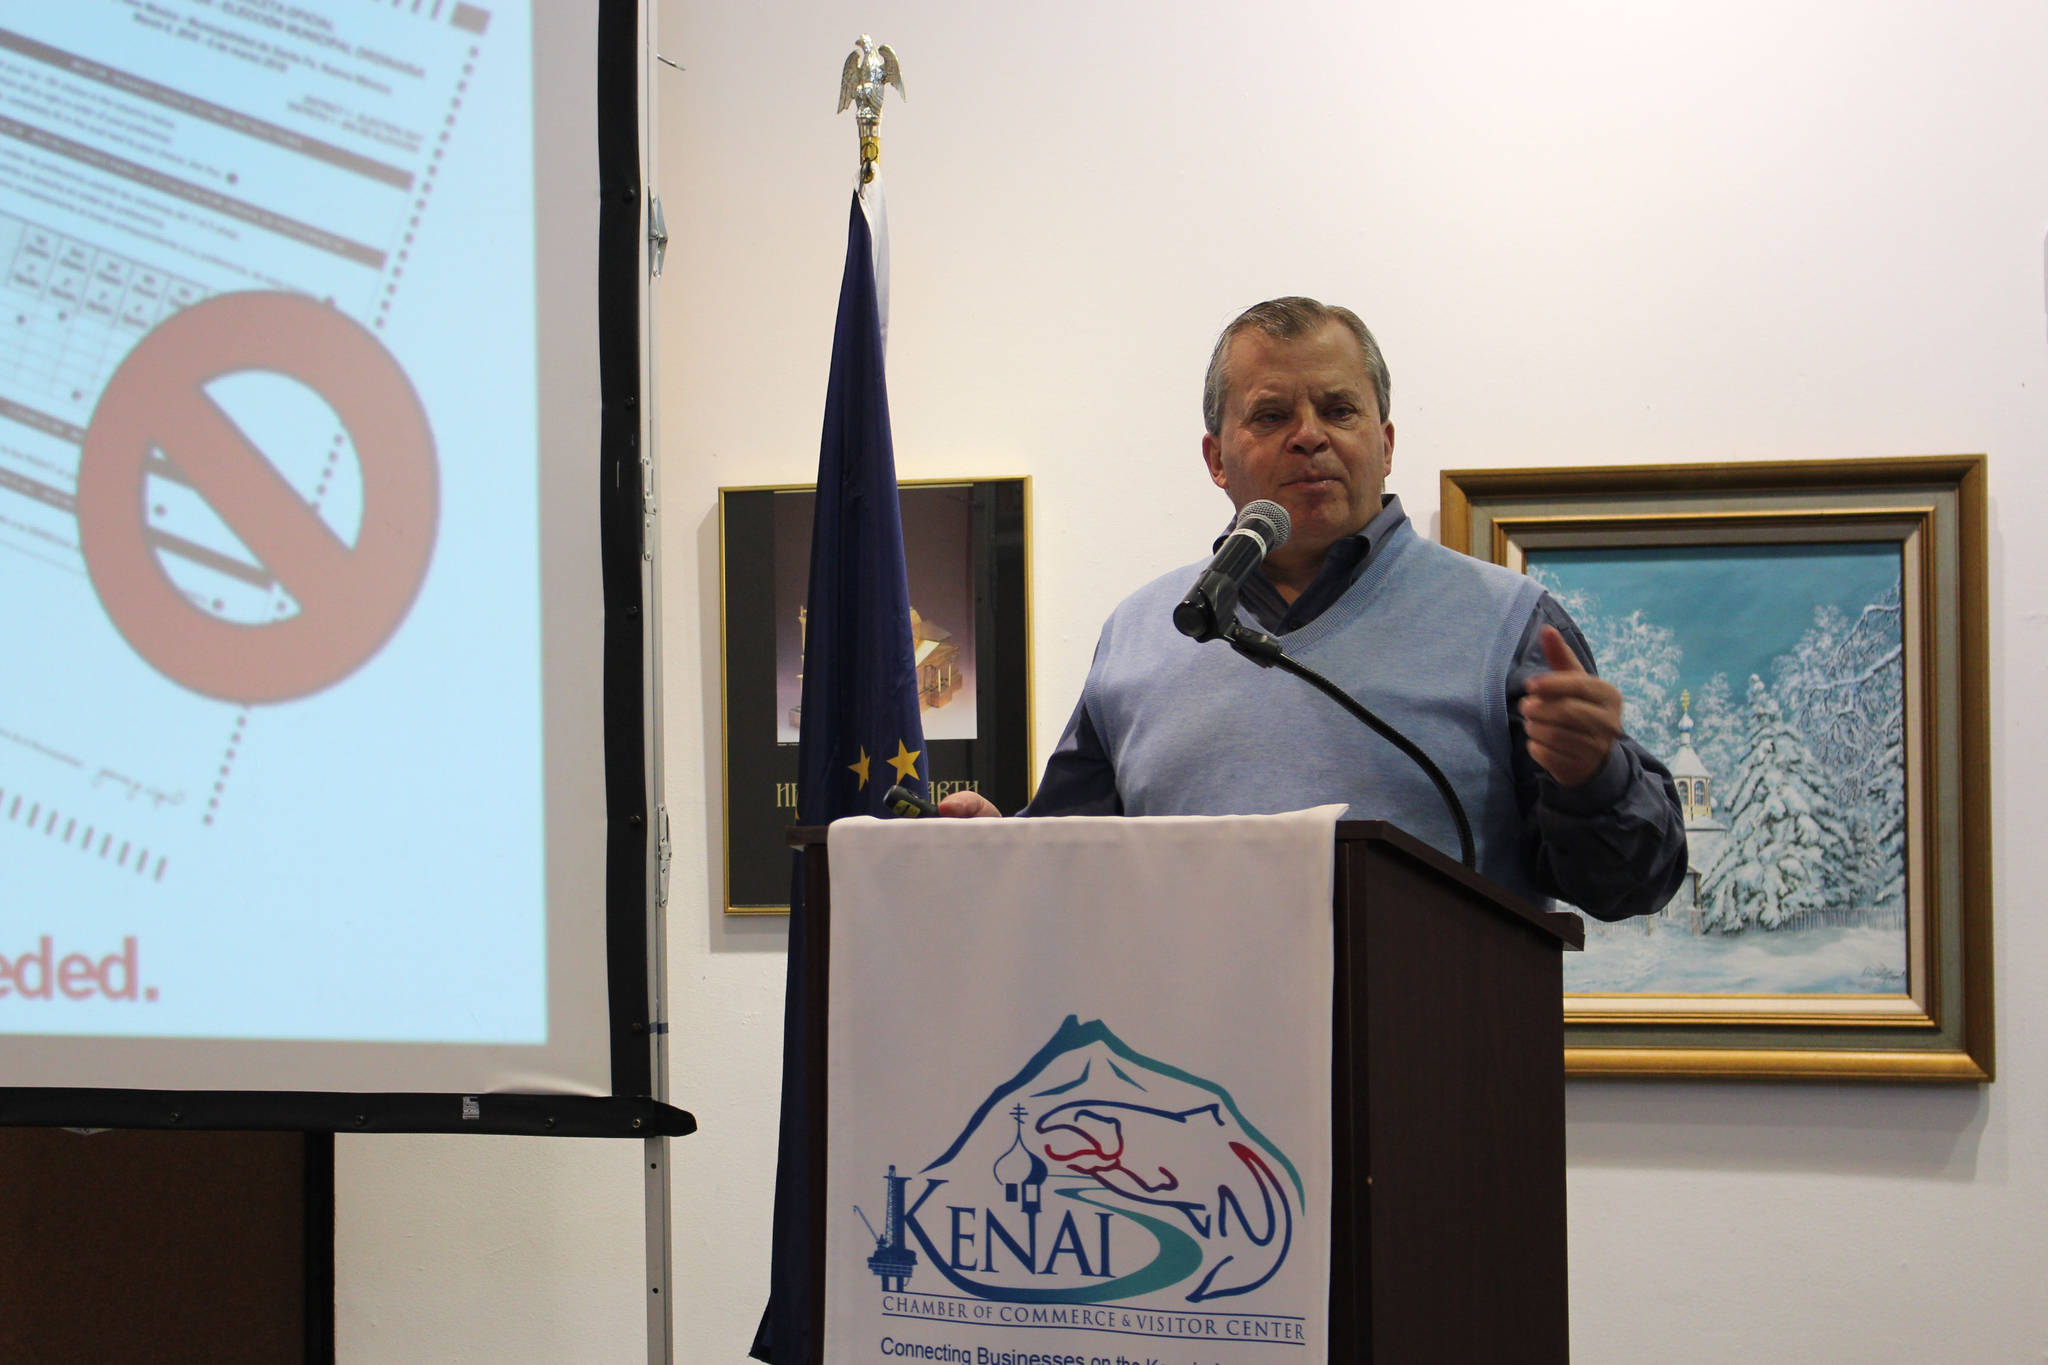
860,769
905,762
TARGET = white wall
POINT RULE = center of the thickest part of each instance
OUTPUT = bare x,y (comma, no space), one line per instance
1585,233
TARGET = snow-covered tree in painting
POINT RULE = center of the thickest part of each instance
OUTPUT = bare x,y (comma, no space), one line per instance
1843,687
1720,727
1783,840
1635,654
1641,658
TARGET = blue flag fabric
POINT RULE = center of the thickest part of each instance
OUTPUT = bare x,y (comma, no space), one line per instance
859,735
860,732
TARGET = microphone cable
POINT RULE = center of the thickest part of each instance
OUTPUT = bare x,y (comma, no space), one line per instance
1265,651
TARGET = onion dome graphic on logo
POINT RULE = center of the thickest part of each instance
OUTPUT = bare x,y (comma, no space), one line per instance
1134,1178
1019,1171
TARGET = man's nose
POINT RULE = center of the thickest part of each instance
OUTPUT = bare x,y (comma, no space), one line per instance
1308,435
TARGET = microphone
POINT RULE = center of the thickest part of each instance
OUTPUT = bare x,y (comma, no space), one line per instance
1210,608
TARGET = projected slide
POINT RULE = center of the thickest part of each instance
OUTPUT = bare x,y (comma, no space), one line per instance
270,637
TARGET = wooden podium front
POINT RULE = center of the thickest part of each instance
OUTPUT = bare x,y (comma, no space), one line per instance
1447,1235
1448,1215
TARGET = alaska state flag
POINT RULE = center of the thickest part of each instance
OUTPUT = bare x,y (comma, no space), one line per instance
860,732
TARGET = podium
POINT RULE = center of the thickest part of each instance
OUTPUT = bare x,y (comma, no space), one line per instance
1447,1088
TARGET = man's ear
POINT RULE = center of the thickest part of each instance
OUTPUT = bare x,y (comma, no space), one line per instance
1212,455
1388,429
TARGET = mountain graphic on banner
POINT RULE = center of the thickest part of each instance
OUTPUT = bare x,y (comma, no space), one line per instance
1097,1173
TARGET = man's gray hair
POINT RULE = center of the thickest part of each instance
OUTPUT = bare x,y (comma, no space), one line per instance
1285,319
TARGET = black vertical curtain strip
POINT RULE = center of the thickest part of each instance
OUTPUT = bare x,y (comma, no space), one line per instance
620,289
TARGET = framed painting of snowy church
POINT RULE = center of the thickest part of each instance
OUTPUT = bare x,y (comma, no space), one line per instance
1804,646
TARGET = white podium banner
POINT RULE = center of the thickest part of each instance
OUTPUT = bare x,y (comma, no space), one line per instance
1079,1091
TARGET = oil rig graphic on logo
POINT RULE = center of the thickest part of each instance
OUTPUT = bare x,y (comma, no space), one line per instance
893,1260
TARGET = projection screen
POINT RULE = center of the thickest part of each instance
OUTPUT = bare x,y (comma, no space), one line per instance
311,477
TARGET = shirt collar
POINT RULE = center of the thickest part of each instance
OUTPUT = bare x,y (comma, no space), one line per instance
1343,564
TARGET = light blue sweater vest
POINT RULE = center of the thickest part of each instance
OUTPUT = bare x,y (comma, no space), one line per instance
1424,638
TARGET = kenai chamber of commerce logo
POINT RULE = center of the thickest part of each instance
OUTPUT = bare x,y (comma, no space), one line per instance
1094,1174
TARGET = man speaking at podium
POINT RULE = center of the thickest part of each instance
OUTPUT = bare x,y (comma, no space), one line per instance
1472,662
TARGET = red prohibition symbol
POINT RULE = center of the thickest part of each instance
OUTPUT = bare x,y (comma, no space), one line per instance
351,597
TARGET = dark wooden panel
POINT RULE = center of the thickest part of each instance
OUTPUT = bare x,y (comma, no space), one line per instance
154,1246
1463,1064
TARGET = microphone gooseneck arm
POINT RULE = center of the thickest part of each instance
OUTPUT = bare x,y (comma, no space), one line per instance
1265,651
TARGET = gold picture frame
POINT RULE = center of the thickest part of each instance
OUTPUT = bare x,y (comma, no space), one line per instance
1664,548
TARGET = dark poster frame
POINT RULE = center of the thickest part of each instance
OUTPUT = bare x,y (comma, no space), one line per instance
758,770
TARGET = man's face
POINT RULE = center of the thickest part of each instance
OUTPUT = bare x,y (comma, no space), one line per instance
1301,426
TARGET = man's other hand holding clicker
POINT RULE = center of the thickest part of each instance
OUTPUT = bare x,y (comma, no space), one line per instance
967,806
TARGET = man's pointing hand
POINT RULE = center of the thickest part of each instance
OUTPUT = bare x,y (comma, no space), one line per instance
1572,717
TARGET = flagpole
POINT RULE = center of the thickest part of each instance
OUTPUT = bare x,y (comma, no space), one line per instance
874,204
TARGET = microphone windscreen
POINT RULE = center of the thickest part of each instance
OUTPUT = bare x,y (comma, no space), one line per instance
1268,521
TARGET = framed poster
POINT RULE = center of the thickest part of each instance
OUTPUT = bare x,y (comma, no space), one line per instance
966,549
1804,645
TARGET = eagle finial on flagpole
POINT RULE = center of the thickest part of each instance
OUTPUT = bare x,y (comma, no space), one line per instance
869,68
